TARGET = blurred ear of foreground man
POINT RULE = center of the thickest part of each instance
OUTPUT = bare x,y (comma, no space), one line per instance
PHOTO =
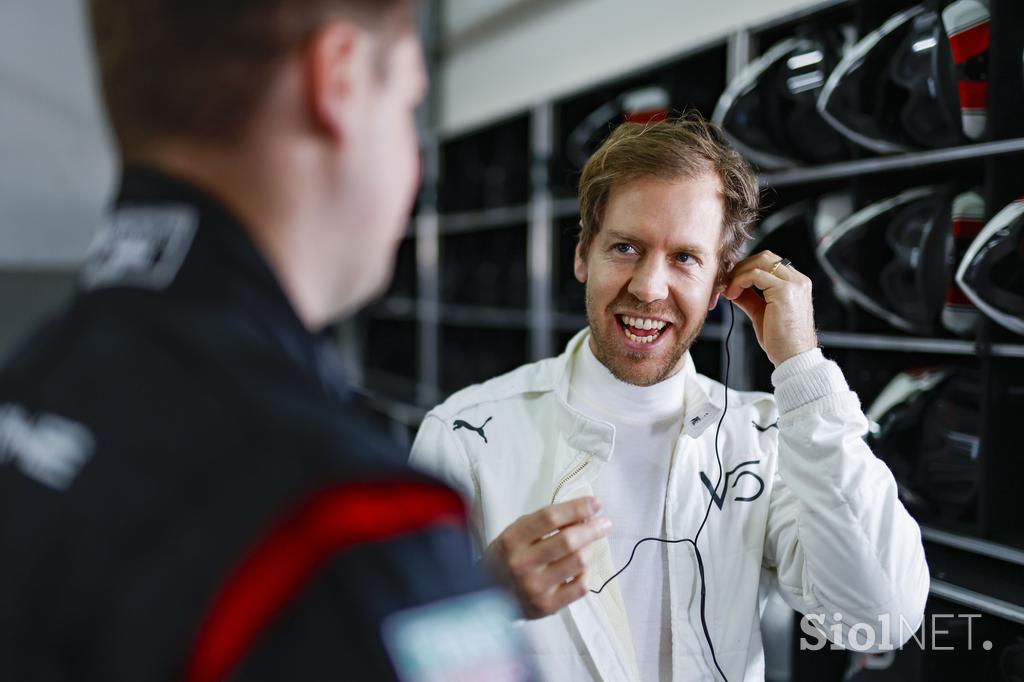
187,489
620,438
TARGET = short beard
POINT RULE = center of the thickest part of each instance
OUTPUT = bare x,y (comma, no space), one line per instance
622,367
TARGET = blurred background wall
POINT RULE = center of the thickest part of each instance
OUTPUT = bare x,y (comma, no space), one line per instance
57,166
498,56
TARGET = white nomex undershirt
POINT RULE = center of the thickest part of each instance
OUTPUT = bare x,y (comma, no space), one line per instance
632,488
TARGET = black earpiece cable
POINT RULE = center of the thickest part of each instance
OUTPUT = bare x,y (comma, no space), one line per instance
707,512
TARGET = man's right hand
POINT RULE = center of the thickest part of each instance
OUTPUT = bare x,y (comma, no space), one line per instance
543,556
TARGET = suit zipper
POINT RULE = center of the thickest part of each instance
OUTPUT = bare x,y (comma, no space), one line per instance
569,476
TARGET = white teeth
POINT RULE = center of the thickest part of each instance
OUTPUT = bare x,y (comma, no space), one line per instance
642,339
640,323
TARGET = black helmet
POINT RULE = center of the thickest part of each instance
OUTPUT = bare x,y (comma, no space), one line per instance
889,257
895,90
790,230
639,106
832,209
797,217
1011,662
768,110
926,425
991,273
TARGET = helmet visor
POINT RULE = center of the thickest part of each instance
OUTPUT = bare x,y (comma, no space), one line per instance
890,257
890,92
769,113
992,273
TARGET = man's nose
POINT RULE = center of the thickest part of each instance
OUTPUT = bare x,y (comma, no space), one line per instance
650,281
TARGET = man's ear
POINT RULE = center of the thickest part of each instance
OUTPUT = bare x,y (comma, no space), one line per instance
719,288
579,265
721,281
338,63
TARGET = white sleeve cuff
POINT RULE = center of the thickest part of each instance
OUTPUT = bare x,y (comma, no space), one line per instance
804,378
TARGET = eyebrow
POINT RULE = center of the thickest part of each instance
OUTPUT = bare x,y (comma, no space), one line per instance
617,236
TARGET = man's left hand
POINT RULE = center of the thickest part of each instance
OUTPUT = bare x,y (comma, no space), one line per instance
784,318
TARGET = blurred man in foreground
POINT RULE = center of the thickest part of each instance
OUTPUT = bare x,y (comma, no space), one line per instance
186,489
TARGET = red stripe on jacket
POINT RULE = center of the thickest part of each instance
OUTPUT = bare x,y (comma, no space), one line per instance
285,560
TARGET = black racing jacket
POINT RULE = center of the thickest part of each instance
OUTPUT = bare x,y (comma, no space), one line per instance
188,491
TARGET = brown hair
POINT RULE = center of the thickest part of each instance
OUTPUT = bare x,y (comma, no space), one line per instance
687,146
200,67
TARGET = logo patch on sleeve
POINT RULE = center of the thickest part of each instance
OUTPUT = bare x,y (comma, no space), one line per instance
462,424
140,247
456,640
47,448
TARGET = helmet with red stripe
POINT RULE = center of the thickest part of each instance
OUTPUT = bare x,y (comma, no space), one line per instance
895,258
991,273
896,89
641,105
967,24
959,315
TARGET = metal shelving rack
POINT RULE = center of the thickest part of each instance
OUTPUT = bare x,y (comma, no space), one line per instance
543,321
949,550
915,160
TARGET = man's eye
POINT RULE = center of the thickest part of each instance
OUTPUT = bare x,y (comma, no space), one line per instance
685,258
622,247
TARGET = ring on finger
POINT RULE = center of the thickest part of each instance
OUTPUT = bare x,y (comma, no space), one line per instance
781,263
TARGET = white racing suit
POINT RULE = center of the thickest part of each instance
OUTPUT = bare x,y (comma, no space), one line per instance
801,505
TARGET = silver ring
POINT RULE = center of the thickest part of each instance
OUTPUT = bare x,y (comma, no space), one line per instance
783,262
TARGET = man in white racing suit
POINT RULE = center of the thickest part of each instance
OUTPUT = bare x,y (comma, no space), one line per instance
569,462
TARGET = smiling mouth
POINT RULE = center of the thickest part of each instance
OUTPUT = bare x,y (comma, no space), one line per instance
642,330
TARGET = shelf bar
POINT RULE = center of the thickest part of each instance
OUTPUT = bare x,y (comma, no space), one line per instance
1008,350
428,304
398,410
459,314
982,602
491,218
540,242
394,308
565,208
484,316
427,225
911,344
845,169
973,545
349,340
404,308
409,415
738,51
569,322
387,384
